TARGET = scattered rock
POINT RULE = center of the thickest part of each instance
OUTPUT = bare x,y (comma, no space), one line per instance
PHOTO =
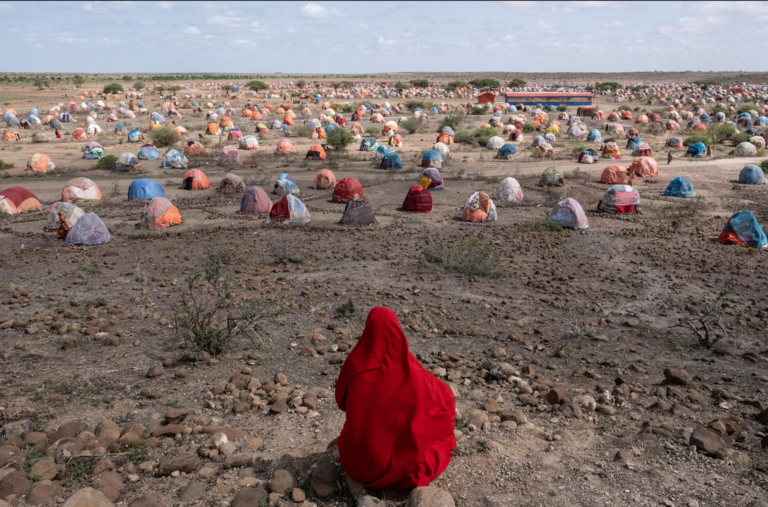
18,429
250,497
155,371
324,479
88,497
558,395
707,441
678,377
187,464
282,481
298,495
370,501
43,493
148,500
176,416
430,496
46,469
192,492
67,430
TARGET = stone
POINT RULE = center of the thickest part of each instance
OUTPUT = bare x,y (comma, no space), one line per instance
43,493
46,469
130,439
192,492
278,407
67,430
107,431
176,416
167,430
586,402
357,489
298,495
187,464
492,406
148,500
240,460
370,501
155,371
430,496
324,479
707,441
250,497
558,395
88,497
228,449
477,418
606,410
18,429
734,455
763,416
678,377
514,415
571,411
15,483
282,481
281,379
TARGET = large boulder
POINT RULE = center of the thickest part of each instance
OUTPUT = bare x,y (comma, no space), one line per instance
88,497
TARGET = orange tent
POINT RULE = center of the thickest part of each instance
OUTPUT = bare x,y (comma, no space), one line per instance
255,115
39,163
614,175
195,179
18,200
194,148
8,136
287,120
79,134
316,152
626,115
160,213
346,189
699,126
645,167
324,179
284,146
213,128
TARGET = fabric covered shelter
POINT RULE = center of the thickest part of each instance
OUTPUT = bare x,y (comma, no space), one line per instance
159,213
751,175
255,201
417,200
71,214
358,210
510,190
16,200
128,163
40,163
679,187
569,214
285,185
391,160
195,179
552,177
143,189
289,210
231,183
696,150
89,230
346,189
745,149
174,159
148,152
620,199
80,189
614,174
325,179
479,208
316,152
435,179
645,167
743,229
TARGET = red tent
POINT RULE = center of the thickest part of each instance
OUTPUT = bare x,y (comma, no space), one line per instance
418,200
346,189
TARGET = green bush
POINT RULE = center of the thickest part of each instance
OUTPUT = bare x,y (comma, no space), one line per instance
608,85
722,131
467,257
422,83
764,166
697,138
164,136
113,88
625,108
411,125
719,109
739,138
529,127
257,85
464,137
413,104
483,134
745,108
453,120
517,83
107,163
485,82
6,165
544,225
562,108
139,85
455,84
339,139
579,147
478,111
373,131
300,84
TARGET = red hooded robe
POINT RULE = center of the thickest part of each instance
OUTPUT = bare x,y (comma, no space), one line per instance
400,418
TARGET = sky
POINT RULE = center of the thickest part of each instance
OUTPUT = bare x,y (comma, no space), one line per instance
378,37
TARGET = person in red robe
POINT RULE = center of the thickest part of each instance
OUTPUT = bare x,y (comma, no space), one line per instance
400,418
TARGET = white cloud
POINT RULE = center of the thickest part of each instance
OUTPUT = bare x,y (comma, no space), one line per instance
105,7
165,6
191,30
69,38
5,8
226,21
313,11
508,38
108,42
11,29
363,26
338,13
545,27
262,28
148,23
243,43
521,6
291,31
571,7
616,24
386,42
735,7
698,25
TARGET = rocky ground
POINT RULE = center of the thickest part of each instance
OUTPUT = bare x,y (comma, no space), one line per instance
579,374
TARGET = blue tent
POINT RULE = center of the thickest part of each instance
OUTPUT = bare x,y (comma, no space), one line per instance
761,121
550,107
720,116
751,175
382,150
744,115
368,144
744,226
634,142
133,136
696,149
538,141
679,187
595,135
751,131
507,150
330,127
34,112
157,117
391,160
149,153
745,122
174,159
143,189
704,117
449,130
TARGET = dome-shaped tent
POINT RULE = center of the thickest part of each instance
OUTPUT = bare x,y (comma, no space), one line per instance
479,208
80,189
346,189
510,190
432,158
391,160
645,167
594,136
193,148
569,214
128,163
231,183
368,144
316,152
159,213
249,142
40,163
70,212
289,210
174,159
614,174
89,230
743,229
696,150
552,177
324,179
358,211
745,149
195,179
675,142
285,185
507,151
284,146
93,151
418,200
148,152
16,200
679,187
494,143
143,189
620,199
134,136
751,175
255,202
431,179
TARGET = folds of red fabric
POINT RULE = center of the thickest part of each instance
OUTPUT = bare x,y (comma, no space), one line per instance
400,418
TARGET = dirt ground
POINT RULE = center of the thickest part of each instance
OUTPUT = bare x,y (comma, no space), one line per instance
601,313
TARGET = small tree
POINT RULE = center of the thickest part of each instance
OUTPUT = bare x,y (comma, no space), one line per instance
257,85
127,78
139,85
399,86
373,131
78,80
485,83
41,83
421,83
113,88
300,84
453,85
108,163
411,125
164,136
517,83
339,139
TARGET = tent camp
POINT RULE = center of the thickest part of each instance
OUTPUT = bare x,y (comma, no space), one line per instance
620,199
89,230
358,211
249,142
324,179
143,189
346,189
494,143
16,200
391,160
679,187
743,229
745,149
231,184
40,163
195,179
193,148
128,163
614,174
569,214
751,175
159,213
645,167
174,159
284,146
316,152
432,158
696,150
289,210
552,177
418,200
507,151
70,212
93,151
479,208
431,179
285,185
255,202
510,190
148,152
80,189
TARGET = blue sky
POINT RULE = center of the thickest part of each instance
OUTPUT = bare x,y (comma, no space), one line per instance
370,37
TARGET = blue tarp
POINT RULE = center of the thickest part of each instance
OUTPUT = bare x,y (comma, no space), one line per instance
391,161
743,224
679,187
751,175
594,135
507,150
149,153
143,189
697,149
